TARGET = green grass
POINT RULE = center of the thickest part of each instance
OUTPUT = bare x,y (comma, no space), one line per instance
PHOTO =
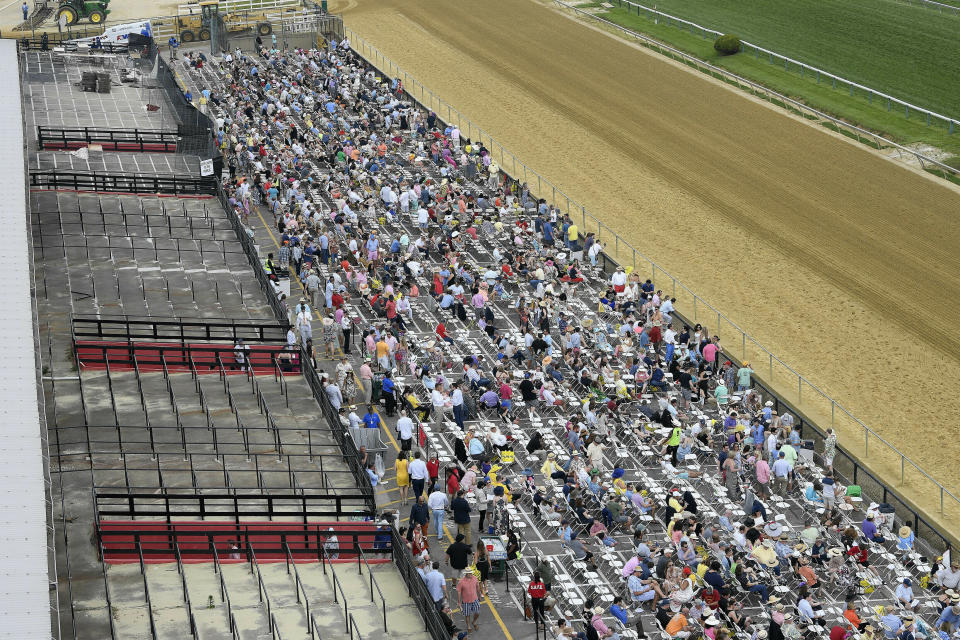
908,51
856,109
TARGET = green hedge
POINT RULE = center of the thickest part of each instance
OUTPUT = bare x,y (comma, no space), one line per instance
727,45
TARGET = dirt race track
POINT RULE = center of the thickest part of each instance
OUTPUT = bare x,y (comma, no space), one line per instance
840,261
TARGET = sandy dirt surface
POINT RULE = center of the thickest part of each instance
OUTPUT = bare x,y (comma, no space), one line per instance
841,262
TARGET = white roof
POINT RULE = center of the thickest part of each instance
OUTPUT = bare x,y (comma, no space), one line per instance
24,587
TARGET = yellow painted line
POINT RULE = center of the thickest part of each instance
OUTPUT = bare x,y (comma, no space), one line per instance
393,441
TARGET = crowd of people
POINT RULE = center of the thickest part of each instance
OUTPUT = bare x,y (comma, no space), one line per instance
483,322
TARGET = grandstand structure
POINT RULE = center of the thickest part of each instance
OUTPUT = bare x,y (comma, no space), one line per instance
195,487
194,483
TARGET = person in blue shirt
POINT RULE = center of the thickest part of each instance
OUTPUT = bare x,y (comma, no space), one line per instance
475,448
618,611
547,229
371,420
389,388
372,474
949,620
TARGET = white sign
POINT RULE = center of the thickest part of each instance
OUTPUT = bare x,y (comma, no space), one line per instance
206,167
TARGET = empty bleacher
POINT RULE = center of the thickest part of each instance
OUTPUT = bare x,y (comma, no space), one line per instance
153,420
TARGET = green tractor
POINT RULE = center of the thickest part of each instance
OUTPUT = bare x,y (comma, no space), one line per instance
75,10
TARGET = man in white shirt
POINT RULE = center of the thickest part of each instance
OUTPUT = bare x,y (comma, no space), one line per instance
619,280
304,327
438,400
456,398
437,503
949,578
405,430
417,470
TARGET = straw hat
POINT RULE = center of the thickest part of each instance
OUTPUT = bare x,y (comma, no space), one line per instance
835,552
598,611
904,531
711,622
800,547
773,600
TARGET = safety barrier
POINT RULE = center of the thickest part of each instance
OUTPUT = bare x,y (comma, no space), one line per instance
154,140
123,183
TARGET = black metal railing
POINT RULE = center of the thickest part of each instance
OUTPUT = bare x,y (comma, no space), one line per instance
123,183
170,502
153,140
197,130
416,587
182,329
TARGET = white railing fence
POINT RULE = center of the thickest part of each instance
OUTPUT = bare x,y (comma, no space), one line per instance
792,386
838,82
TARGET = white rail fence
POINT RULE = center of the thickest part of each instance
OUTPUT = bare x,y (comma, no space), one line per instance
941,7
931,117
782,377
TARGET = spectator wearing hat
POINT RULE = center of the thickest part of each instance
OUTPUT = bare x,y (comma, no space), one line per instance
468,592
904,592
603,631
643,590
869,528
949,577
905,538
909,628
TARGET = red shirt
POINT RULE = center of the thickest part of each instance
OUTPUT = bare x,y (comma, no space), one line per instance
858,553
537,590
712,600
655,334
441,331
453,484
837,633
433,468
506,392
391,309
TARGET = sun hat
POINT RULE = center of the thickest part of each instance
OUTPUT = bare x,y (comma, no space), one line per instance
834,552
711,622
598,611
773,600
768,543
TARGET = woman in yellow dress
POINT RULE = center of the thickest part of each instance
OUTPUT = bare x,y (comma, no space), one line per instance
403,478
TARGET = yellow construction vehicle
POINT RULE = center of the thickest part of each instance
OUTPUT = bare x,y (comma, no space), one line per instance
193,27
